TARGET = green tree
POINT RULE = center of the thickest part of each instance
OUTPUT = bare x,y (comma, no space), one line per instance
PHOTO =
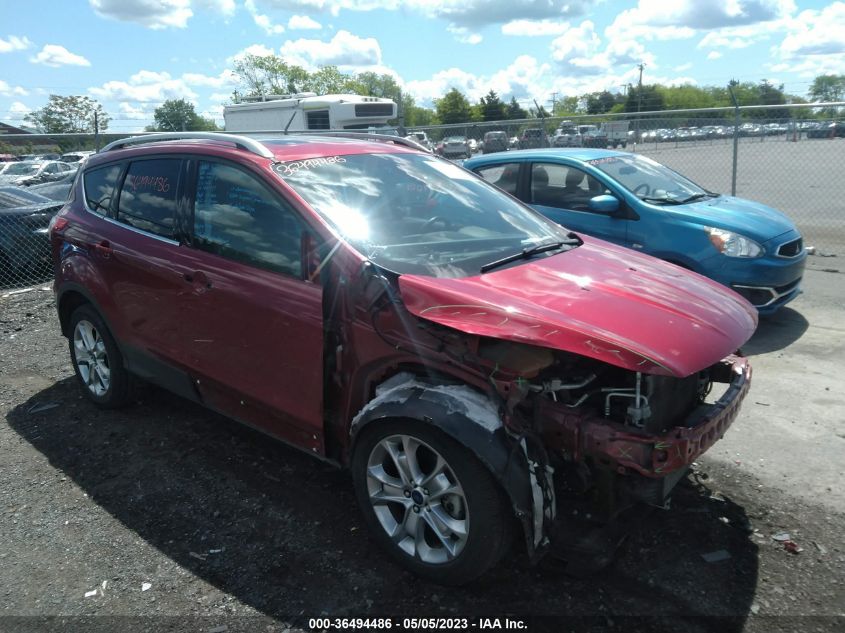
648,99
329,80
600,102
453,107
69,115
375,85
178,115
516,111
267,75
567,106
828,88
492,108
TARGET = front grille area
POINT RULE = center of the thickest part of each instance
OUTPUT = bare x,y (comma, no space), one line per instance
373,109
791,249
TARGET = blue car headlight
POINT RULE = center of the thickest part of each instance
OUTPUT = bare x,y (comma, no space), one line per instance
733,244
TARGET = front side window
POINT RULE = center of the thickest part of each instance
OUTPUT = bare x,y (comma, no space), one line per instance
418,214
148,196
99,187
563,187
237,217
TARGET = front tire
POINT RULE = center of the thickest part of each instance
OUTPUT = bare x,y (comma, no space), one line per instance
429,502
96,359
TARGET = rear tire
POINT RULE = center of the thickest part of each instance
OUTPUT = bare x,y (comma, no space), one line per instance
429,502
97,361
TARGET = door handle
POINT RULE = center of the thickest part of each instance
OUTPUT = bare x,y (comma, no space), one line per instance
199,280
103,249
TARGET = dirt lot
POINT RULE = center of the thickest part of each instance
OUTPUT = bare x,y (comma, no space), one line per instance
166,517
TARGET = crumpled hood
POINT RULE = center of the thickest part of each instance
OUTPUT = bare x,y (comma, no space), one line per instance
752,219
598,300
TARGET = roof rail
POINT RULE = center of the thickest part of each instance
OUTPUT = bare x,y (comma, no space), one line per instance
243,142
367,136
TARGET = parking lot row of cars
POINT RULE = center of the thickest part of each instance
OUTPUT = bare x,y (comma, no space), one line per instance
617,134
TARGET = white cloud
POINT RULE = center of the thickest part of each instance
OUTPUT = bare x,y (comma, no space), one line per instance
258,50
535,28
225,79
159,14
145,87
14,43
55,56
19,110
713,55
463,34
477,13
153,14
8,91
816,33
471,14
303,22
344,50
712,14
682,67
262,20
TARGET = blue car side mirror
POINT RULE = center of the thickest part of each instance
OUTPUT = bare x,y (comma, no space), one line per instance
604,204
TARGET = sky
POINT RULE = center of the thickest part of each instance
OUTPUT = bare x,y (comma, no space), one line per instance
132,55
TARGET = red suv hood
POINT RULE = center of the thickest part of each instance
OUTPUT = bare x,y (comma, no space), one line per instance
597,300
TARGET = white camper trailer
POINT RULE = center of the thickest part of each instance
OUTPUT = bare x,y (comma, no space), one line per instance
308,112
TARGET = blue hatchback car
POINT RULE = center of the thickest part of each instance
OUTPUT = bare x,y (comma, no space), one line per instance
634,201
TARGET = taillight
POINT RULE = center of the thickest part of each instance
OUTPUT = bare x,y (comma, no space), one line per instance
58,224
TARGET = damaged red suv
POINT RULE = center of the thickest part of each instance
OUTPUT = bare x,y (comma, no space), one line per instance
486,375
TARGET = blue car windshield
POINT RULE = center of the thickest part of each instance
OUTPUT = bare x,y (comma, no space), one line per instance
649,180
419,214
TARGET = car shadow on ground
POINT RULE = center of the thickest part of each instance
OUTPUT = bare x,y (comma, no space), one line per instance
776,332
288,538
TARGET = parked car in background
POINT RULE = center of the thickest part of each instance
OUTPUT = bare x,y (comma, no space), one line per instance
454,147
388,311
592,136
567,135
32,172
616,133
55,189
636,202
827,129
533,137
76,157
24,247
494,141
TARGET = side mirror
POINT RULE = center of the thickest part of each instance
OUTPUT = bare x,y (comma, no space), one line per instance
604,204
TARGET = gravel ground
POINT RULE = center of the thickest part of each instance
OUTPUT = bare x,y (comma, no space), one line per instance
163,516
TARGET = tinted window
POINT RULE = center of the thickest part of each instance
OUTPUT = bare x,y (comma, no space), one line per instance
504,176
237,217
99,187
148,197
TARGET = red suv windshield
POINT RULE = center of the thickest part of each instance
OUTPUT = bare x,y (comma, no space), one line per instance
414,213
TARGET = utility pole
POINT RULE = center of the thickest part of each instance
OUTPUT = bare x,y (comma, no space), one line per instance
554,102
96,132
639,99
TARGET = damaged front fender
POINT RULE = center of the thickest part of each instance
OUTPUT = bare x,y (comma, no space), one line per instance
473,420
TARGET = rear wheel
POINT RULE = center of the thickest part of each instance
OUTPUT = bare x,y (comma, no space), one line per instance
97,361
429,502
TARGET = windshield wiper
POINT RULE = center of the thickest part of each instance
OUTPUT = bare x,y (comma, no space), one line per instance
660,200
525,253
698,196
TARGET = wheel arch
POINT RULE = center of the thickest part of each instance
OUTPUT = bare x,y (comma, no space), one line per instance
472,420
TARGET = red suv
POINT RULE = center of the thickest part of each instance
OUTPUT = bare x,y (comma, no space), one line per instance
480,369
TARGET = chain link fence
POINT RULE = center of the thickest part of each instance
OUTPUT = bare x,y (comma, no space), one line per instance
788,157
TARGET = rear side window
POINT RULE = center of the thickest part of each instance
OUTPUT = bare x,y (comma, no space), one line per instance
99,188
238,217
148,197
